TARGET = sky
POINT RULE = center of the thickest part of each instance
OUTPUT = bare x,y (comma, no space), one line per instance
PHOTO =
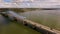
34,3
7,0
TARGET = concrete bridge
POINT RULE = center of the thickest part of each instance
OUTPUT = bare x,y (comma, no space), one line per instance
33,25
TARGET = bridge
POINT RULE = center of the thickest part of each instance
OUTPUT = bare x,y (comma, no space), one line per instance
33,25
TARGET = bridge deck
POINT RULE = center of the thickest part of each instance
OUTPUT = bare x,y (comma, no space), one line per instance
42,26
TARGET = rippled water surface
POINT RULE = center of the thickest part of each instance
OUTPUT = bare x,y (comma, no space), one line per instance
49,18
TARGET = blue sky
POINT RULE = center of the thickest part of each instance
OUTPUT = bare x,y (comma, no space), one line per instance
7,0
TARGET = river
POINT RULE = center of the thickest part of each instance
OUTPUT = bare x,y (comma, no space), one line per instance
50,18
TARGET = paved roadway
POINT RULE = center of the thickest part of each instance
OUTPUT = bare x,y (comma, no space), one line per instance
42,26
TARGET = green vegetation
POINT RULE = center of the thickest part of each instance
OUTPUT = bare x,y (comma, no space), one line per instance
18,9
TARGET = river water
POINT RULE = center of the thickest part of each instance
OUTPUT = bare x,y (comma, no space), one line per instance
50,18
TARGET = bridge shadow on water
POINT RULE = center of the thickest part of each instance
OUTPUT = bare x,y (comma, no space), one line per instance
4,20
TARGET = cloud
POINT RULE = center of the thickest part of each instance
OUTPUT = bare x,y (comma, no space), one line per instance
35,3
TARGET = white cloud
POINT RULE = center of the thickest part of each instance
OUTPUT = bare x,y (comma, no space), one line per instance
35,3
